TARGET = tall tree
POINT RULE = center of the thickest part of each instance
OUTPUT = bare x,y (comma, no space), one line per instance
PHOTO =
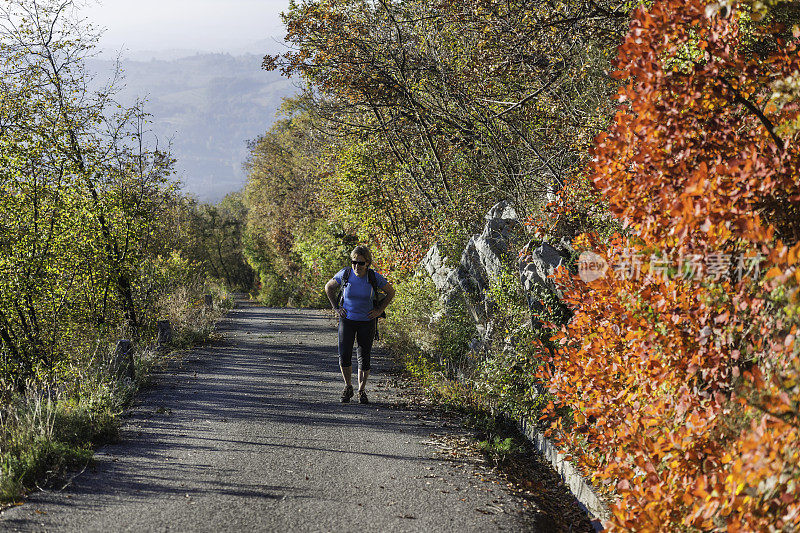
471,103
81,191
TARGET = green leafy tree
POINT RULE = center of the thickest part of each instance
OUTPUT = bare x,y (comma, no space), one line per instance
214,238
81,194
289,241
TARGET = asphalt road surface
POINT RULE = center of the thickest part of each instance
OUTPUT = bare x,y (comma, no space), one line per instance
248,434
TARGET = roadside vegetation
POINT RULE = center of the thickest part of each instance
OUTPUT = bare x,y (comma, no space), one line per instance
96,245
660,135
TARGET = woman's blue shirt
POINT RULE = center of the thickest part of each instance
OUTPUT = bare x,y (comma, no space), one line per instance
358,293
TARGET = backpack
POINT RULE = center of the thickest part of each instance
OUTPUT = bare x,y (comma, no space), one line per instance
373,280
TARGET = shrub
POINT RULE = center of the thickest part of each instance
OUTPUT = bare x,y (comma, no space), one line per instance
407,327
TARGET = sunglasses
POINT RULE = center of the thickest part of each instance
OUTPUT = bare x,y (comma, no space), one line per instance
359,263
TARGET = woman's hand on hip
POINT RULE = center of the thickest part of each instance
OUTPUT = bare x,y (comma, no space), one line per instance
375,313
341,312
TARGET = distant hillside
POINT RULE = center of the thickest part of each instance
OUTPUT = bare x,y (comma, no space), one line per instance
209,105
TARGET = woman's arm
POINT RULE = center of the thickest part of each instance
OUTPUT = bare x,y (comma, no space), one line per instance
331,290
378,311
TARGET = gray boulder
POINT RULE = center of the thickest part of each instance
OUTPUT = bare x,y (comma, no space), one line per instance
485,257
537,266
436,267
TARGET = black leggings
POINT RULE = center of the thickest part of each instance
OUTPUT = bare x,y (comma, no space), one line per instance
351,330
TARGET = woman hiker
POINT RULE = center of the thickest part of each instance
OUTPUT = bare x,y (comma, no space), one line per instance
358,316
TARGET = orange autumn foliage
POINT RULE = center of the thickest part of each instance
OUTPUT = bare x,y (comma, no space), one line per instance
685,383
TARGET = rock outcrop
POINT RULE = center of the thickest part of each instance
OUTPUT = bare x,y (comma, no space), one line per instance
486,256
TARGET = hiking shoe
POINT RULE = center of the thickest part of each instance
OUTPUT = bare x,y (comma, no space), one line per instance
362,397
347,393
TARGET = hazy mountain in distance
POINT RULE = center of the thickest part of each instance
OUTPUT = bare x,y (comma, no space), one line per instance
268,45
208,105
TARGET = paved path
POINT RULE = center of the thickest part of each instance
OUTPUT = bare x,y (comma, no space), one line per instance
248,435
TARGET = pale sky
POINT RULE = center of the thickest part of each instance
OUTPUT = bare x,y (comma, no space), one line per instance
206,25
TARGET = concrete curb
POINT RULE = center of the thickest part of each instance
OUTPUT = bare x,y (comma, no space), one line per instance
577,484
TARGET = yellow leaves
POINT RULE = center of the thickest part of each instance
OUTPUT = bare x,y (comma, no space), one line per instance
793,254
773,273
699,184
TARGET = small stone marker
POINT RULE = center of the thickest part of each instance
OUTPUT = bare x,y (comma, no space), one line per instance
164,334
209,299
123,359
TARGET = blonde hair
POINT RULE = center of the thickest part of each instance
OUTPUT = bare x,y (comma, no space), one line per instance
364,252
